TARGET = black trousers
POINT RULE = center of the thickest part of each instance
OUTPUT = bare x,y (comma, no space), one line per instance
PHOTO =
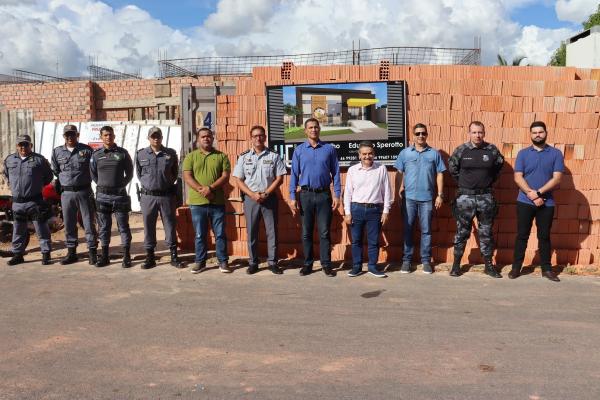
543,221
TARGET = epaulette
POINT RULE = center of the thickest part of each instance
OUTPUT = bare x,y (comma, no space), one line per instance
244,152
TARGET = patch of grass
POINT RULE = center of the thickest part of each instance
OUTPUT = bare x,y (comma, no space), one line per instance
382,125
298,133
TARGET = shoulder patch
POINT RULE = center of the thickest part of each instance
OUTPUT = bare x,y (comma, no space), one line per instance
244,152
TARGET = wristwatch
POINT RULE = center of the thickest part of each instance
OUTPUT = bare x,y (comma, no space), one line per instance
441,195
540,195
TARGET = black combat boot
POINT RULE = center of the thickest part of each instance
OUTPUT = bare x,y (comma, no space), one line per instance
126,258
175,259
103,260
71,256
150,261
93,256
46,259
455,271
490,269
16,259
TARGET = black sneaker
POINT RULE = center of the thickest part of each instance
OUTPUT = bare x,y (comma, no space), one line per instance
405,268
274,268
306,270
199,267
376,273
355,271
427,268
16,259
225,268
252,269
328,271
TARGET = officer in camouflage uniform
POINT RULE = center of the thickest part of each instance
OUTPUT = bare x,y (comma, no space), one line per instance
71,165
27,173
475,165
112,170
157,168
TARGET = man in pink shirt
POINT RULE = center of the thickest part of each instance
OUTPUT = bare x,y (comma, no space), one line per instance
367,201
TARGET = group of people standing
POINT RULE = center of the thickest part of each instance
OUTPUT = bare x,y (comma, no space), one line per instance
258,173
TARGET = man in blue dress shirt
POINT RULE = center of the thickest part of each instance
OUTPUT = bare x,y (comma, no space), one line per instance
314,166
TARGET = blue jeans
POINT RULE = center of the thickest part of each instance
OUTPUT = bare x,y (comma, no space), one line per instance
412,209
316,205
200,217
369,218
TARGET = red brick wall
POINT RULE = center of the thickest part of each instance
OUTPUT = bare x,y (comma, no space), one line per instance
447,98
60,101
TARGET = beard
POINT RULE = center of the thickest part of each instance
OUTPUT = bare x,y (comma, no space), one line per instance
539,141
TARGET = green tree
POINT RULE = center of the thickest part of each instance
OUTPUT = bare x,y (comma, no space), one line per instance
559,57
517,61
291,110
592,20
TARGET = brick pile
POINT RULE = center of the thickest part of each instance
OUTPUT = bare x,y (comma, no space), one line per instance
447,98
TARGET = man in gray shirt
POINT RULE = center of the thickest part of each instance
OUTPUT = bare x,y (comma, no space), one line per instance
71,165
258,173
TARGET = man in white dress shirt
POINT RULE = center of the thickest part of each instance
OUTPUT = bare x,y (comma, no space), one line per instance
367,202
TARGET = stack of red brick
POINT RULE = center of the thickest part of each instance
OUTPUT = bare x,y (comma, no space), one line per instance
447,98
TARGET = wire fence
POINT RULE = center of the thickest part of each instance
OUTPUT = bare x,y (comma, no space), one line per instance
243,64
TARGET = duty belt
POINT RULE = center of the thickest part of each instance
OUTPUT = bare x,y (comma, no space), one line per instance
111,190
19,199
368,205
157,192
462,191
76,188
314,190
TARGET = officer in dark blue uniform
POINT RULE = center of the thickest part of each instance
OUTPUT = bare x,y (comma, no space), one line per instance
27,174
71,165
112,170
157,168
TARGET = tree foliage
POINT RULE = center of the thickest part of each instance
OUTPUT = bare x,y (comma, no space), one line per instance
559,58
592,20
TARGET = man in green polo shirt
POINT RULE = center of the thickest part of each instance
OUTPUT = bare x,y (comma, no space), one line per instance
205,171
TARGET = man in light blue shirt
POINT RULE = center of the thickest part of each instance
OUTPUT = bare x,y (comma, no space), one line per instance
420,173
314,166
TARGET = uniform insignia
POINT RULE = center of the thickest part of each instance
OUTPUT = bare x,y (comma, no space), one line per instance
486,157
117,156
82,153
168,157
268,162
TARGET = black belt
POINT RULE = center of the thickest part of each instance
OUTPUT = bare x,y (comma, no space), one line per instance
75,188
147,192
314,190
111,190
19,199
368,205
462,191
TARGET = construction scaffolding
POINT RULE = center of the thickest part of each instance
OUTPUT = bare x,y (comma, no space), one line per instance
105,74
243,64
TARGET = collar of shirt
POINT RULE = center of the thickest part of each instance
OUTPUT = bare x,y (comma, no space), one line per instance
259,155
470,145
149,150
414,148
546,148
110,149
308,145
375,165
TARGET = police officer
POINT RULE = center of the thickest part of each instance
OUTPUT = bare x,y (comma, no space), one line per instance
157,168
27,174
259,172
71,165
475,165
112,169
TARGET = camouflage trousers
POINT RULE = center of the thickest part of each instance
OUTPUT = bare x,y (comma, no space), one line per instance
465,208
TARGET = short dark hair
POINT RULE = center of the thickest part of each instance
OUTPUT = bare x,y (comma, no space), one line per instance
366,143
204,129
107,128
312,120
477,123
538,124
260,128
420,125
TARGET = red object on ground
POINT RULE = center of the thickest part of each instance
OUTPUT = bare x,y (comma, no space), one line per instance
49,192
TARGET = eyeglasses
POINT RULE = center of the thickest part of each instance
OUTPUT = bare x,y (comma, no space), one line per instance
258,136
420,133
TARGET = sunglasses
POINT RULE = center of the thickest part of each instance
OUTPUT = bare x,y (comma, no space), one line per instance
420,133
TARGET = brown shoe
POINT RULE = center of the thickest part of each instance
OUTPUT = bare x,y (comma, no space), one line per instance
550,275
514,273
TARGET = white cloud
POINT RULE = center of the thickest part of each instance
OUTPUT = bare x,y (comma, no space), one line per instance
36,34
575,11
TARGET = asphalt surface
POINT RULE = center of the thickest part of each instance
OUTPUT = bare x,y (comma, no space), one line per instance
77,332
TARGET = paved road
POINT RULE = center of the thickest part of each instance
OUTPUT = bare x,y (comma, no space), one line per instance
79,332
